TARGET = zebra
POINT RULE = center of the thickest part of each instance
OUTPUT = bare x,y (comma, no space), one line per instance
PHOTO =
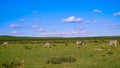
5,43
79,43
47,44
113,43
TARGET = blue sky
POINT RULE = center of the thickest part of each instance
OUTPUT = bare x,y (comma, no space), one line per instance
60,18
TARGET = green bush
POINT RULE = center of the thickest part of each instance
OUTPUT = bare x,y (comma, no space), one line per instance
110,52
27,47
60,60
13,64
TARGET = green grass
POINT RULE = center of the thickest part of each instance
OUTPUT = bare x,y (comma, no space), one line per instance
86,57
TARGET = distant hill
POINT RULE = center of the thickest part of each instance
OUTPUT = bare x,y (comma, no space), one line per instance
3,38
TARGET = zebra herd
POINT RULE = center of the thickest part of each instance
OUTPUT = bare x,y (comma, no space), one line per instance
78,43
81,43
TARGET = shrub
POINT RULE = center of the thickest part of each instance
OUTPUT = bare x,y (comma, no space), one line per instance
13,64
66,44
27,47
67,59
110,52
60,60
90,55
54,61
54,45
103,55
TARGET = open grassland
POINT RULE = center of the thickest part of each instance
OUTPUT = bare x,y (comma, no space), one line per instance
35,55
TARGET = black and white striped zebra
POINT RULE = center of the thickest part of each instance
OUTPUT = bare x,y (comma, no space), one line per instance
79,43
113,43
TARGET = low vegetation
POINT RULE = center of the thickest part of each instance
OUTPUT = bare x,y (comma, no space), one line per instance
59,60
12,64
63,53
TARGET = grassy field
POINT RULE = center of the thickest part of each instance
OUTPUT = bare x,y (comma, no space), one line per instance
91,55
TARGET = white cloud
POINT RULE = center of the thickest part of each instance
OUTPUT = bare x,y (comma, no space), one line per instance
97,11
14,26
71,33
41,30
72,19
15,32
116,14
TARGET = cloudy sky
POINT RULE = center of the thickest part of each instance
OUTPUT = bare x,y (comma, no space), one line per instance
60,18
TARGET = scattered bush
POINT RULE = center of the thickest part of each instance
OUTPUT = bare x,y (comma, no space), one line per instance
27,47
13,64
110,52
68,59
66,44
60,60
54,61
103,55
90,55
54,45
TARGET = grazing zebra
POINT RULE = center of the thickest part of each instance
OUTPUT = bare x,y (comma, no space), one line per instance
113,43
5,43
47,44
79,43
